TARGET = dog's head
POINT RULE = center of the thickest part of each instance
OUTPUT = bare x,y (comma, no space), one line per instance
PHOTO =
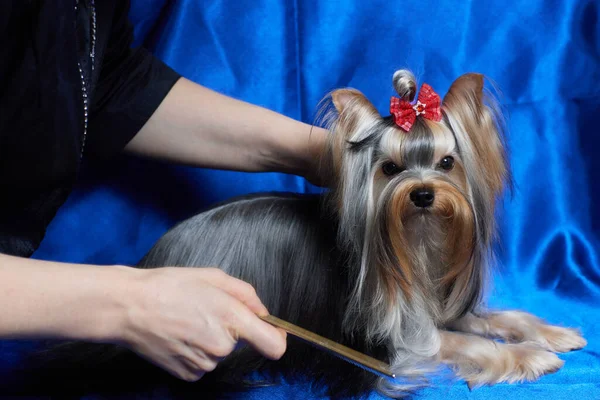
416,201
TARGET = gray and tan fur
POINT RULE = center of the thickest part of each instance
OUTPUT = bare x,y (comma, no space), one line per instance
393,261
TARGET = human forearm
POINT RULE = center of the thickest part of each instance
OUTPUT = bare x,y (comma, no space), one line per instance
183,319
57,300
199,127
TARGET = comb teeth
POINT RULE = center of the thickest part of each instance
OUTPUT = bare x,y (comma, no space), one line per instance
345,353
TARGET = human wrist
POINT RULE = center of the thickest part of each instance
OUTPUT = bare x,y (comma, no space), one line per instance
299,151
111,298
141,292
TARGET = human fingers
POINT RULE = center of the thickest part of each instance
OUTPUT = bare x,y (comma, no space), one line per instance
237,288
265,338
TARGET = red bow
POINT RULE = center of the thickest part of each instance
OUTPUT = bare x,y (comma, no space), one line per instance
428,105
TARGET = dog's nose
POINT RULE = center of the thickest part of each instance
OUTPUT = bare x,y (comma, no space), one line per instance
422,197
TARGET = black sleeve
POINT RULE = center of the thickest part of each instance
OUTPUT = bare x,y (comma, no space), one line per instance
131,85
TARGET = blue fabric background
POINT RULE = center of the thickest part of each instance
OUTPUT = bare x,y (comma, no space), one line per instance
285,55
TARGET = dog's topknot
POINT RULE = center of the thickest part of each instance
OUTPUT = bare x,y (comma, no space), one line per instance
405,84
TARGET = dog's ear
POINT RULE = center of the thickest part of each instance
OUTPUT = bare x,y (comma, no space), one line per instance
351,122
342,97
355,112
351,99
476,121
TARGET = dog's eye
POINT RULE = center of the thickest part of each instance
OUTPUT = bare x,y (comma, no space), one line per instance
447,163
389,168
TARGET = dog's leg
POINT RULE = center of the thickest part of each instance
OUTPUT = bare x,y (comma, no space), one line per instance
481,361
518,327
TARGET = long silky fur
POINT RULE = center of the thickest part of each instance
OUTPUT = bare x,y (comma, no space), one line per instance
353,265
283,246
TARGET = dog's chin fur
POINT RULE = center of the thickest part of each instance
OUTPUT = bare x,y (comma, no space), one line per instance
362,264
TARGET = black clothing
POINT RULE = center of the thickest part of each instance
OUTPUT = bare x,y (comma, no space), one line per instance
42,109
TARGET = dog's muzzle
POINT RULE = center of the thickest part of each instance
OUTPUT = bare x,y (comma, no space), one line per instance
422,197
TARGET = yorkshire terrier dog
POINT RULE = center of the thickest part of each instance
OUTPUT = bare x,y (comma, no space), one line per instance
392,261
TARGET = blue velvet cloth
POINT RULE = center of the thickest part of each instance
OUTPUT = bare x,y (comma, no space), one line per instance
543,55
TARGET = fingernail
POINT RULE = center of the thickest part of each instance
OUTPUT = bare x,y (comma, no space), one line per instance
263,312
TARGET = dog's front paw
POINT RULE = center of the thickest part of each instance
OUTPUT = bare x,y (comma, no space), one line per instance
515,363
481,361
559,339
522,327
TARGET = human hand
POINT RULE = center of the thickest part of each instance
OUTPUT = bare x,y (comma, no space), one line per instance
317,169
187,320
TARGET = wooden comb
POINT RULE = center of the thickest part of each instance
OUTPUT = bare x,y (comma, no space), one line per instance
352,356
